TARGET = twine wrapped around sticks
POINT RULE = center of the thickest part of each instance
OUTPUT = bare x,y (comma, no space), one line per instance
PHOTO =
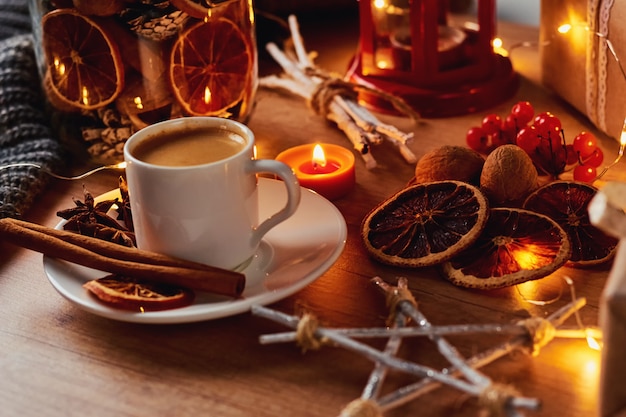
495,399
332,86
361,408
541,332
394,298
305,333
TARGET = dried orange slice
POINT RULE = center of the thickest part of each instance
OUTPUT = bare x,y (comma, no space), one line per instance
515,246
567,202
130,294
84,64
211,64
425,224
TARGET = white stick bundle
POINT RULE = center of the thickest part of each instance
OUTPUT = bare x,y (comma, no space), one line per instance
360,126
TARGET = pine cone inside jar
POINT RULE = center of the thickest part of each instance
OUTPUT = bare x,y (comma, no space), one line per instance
154,19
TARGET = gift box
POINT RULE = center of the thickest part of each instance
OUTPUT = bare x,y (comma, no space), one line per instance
613,323
607,211
580,62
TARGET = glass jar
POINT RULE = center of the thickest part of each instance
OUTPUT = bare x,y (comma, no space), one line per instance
112,67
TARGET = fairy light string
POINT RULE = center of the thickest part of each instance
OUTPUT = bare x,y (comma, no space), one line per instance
120,165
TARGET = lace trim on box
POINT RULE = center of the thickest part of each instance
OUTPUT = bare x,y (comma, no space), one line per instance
603,28
598,16
590,63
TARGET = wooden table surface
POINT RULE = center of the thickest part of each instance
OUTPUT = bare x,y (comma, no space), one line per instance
58,360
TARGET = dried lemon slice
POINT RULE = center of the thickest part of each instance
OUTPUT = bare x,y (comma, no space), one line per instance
425,224
515,246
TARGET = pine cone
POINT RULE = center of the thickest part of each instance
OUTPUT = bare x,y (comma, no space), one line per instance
154,19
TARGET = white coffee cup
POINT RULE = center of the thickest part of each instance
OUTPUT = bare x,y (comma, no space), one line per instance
186,204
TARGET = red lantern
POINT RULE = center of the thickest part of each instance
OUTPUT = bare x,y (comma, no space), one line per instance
413,50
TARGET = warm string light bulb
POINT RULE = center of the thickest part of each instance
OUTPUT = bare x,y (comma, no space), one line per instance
592,341
563,29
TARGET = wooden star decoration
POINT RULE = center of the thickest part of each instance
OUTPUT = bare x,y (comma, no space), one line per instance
496,399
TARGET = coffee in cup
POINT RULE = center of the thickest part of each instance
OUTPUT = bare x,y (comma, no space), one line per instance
189,147
193,191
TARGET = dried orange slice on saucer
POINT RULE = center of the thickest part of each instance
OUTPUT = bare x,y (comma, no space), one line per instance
515,246
211,64
130,294
567,202
425,224
84,65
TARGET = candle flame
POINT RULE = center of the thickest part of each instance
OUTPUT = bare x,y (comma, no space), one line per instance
380,4
319,158
85,96
383,64
138,103
59,66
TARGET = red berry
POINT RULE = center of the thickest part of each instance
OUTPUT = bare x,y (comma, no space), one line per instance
528,139
492,124
510,124
509,127
477,139
549,127
584,173
523,112
585,144
595,159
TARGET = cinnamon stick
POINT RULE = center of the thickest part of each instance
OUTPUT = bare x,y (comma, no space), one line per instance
106,256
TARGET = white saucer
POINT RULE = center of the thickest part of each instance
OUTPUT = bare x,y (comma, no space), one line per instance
291,256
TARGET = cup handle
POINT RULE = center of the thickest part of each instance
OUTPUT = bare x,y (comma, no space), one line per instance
284,172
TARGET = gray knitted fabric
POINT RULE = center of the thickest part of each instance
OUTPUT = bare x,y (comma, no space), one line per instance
25,135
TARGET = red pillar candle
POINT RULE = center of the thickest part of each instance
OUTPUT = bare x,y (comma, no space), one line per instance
330,173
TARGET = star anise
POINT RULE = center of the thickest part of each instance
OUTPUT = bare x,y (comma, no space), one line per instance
124,208
89,212
121,237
